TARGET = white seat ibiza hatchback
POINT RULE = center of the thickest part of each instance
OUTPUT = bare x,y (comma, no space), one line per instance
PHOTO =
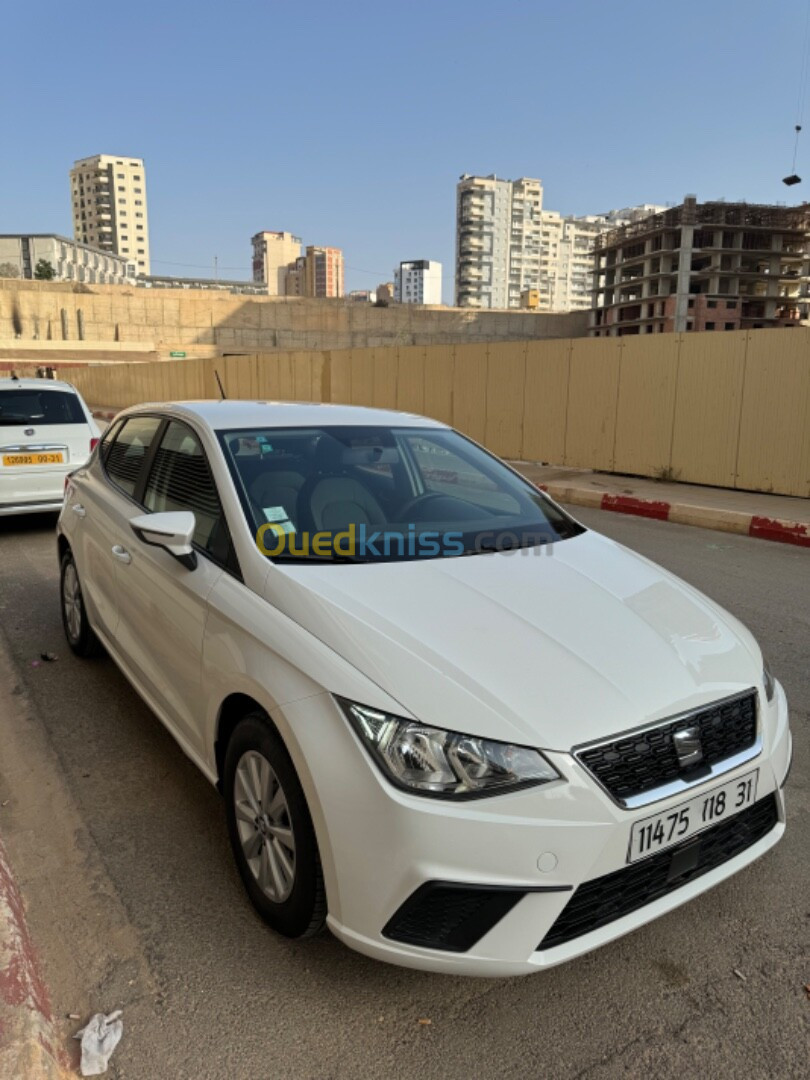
463,730
46,431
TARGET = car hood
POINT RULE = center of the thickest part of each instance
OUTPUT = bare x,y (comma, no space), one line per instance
551,646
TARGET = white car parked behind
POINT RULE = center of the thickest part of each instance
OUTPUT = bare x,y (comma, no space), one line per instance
46,431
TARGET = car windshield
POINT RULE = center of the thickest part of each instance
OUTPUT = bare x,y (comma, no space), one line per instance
359,494
39,407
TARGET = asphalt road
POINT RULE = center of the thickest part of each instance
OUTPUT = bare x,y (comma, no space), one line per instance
120,847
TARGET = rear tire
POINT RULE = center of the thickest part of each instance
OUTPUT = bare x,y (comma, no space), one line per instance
271,831
79,633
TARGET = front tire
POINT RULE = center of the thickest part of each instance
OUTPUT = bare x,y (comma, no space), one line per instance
271,831
79,633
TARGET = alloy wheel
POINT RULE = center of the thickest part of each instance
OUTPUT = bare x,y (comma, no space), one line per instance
72,601
264,826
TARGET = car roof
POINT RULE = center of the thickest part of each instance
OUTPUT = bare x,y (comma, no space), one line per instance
36,384
230,414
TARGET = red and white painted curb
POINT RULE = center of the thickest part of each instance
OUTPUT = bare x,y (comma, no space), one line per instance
736,521
29,1046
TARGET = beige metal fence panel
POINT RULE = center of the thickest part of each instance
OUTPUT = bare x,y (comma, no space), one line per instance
384,375
440,368
506,387
774,446
411,378
645,406
469,389
592,395
362,368
707,407
545,401
340,365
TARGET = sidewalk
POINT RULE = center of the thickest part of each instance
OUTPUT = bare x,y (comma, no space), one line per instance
29,1045
769,517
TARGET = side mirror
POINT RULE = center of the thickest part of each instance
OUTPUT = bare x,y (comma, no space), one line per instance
172,530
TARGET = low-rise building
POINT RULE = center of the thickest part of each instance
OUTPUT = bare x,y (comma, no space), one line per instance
418,282
244,288
69,259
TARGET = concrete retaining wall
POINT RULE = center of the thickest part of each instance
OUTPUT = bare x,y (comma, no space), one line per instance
200,323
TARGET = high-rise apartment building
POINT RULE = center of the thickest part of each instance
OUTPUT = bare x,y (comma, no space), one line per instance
108,198
508,247
323,272
418,282
704,266
565,281
498,233
272,254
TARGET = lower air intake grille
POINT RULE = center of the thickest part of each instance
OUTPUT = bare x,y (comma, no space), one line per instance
444,915
601,901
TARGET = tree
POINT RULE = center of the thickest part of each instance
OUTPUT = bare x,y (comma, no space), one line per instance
9,269
44,271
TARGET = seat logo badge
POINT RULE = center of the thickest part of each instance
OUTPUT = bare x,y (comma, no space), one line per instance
29,431
687,747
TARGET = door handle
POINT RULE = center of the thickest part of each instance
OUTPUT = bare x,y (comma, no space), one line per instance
79,510
121,553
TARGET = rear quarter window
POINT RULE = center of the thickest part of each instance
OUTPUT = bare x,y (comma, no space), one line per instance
40,407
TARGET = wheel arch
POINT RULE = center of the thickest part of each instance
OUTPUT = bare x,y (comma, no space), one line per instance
234,708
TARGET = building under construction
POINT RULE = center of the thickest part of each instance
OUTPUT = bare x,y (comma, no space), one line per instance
704,266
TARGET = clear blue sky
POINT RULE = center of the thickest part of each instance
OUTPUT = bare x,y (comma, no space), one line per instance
349,123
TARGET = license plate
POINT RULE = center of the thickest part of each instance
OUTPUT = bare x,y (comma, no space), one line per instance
34,459
671,827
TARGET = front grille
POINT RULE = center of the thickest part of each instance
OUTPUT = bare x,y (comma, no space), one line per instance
635,763
451,916
601,901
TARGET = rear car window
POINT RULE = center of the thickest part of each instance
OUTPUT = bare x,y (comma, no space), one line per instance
40,407
125,458
180,479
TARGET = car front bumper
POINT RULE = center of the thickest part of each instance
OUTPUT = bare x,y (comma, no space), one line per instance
519,858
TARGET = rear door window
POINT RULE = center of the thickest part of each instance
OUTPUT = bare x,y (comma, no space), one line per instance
125,458
40,407
180,479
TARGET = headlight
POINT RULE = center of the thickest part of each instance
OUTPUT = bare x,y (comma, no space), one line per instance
430,761
768,681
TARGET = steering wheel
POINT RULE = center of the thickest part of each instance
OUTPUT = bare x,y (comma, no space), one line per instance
419,500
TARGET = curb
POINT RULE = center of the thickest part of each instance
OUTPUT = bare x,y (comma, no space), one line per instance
29,1046
764,528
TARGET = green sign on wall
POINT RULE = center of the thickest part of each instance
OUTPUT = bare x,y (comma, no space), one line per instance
178,353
